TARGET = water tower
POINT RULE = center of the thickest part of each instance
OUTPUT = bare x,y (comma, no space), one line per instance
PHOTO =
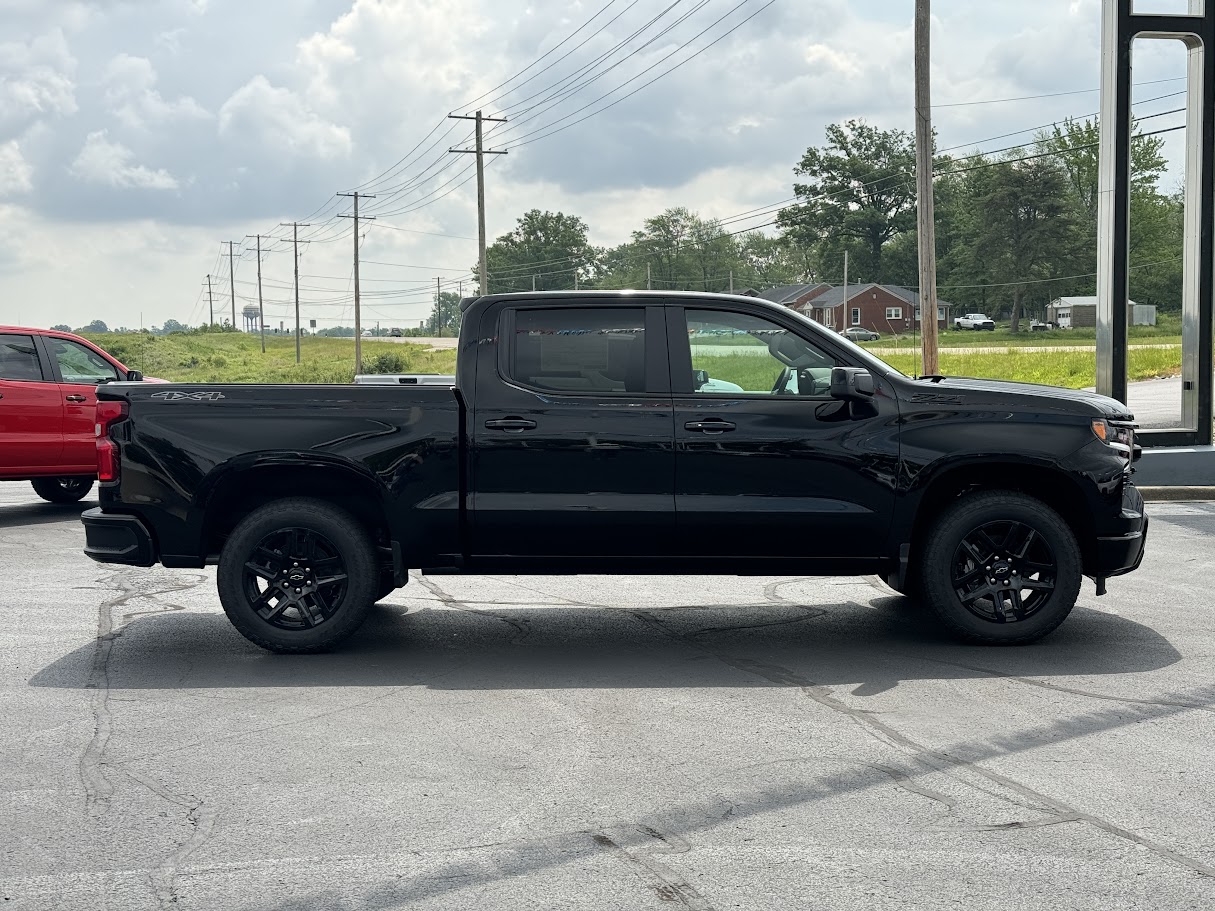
251,314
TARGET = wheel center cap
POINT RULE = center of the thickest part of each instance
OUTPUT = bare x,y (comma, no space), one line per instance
296,576
1002,568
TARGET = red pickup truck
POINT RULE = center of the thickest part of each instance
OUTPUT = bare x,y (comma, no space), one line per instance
48,383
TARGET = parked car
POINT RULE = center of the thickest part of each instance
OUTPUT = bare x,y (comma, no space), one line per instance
974,321
625,432
395,333
1039,326
48,383
859,334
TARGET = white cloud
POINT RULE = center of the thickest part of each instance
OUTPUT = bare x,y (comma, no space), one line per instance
36,78
104,162
281,121
131,95
16,174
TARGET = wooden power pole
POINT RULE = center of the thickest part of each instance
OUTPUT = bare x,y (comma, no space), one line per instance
261,316
231,282
295,254
210,303
480,151
925,222
358,321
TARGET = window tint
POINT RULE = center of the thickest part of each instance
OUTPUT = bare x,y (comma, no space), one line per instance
78,364
19,358
580,350
735,353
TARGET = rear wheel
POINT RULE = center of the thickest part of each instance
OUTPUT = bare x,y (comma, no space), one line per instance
62,490
298,575
1000,568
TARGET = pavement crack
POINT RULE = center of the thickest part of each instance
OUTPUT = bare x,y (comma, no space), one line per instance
521,625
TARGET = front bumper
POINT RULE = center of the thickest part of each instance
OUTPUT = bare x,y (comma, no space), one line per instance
1122,551
115,538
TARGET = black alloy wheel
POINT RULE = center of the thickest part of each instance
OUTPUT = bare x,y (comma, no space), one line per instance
1004,572
999,567
298,575
62,490
295,579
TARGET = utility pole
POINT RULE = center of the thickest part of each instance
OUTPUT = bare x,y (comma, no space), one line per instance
295,255
731,281
480,152
847,317
648,283
231,282
533,283
210,303
358,323
439,305
925,222
261,317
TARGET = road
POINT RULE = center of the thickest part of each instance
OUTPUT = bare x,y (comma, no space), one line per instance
597,743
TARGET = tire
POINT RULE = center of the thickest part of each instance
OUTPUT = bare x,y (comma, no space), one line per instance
62,490
298,542
1029,549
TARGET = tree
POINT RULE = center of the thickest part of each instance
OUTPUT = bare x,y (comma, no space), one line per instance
172,325
1022,227
676,250
96,326
770,261
445,316
62,328
546,246
858,194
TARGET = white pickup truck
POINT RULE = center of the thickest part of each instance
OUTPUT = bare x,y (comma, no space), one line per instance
975,321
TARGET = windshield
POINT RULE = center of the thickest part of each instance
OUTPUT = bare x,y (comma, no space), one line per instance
869,360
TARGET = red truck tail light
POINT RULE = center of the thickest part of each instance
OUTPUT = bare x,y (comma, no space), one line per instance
108,414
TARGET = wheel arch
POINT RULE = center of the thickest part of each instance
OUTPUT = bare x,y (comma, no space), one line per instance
241,488
1049,484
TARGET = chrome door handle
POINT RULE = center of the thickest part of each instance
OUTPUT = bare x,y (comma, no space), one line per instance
511,425
717,426
76,398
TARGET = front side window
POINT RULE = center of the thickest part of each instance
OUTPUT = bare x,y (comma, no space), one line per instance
580,350
78,364
740,354
894,313
19,359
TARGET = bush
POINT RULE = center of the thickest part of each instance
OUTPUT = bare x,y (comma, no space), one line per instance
387,362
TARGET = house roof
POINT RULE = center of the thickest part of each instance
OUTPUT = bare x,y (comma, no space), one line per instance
786,294
835,296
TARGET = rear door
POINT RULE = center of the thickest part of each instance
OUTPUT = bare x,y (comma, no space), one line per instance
79,370
31,410
767,463
572,436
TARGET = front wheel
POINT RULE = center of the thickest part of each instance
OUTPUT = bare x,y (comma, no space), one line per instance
1000,568
298,575
62,490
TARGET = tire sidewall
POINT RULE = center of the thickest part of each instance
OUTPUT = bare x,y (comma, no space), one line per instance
971,512
351,542
50,489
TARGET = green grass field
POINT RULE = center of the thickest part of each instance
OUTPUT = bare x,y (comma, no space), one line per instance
237,358
233,357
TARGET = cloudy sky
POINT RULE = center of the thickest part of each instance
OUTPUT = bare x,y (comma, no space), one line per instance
137,135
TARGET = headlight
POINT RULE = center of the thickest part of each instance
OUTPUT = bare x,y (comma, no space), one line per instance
1118,434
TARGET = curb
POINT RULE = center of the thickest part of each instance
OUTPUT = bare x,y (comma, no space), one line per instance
1165,494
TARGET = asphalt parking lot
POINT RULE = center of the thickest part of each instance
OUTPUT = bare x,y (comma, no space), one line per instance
600,743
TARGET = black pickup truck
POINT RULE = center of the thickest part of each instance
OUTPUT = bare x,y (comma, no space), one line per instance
624,432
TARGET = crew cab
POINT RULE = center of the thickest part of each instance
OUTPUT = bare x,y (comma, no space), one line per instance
48,381
624,432
974,321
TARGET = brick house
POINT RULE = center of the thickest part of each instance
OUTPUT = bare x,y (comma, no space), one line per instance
795,297
885,309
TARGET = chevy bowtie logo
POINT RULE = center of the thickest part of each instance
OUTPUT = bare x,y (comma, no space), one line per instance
192,396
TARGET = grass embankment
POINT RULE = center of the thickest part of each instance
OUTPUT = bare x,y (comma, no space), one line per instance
234,357
1167,331
1073,369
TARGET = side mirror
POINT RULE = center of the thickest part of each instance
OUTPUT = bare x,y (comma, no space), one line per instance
134,376
851,384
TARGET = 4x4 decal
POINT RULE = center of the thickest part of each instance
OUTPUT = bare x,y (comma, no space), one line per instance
192,396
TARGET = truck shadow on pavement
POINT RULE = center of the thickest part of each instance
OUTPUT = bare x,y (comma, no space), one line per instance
867,647
42,513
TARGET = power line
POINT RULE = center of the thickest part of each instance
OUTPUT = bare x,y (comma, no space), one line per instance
962,104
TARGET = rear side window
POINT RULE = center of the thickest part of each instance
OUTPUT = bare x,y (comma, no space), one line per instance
19,358
583,350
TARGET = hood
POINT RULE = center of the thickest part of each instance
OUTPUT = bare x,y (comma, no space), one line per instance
1050,398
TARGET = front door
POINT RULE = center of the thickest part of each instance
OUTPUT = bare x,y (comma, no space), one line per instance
80,369
767,463
572,435
31,410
